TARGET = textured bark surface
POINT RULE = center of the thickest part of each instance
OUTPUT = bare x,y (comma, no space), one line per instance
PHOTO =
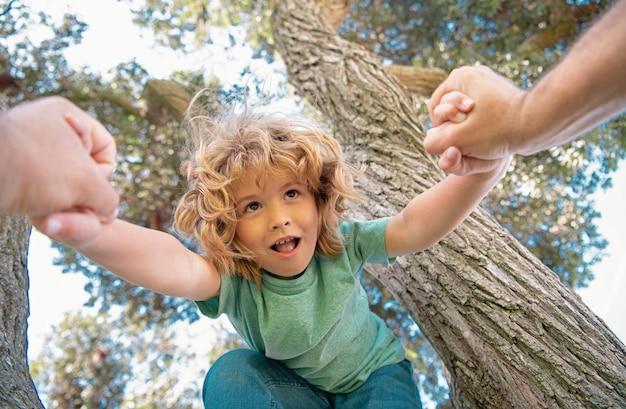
16,387
510,334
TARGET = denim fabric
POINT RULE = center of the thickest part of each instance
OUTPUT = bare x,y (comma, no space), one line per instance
247,379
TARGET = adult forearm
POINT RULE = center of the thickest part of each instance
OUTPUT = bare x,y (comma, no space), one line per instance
585,89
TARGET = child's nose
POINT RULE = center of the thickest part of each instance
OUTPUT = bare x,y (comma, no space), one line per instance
280,218
279,224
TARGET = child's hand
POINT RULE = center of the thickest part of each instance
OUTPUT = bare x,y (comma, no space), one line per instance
453,107
453,161
499,167
489,131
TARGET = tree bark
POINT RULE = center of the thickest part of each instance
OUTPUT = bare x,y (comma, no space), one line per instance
16,386
510,334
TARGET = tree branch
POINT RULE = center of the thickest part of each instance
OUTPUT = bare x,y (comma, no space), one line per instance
422,81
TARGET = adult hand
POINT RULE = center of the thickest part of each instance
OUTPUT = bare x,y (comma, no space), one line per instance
489,131
77,229
55,158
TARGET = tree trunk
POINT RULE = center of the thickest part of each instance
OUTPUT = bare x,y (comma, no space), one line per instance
16,386
510,334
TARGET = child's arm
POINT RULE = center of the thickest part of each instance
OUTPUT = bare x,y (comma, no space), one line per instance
144,257
431,216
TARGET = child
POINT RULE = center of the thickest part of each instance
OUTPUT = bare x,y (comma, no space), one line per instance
266,200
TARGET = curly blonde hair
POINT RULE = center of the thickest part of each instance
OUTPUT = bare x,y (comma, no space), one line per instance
225,149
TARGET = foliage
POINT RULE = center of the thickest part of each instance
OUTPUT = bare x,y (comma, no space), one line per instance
559,226
175,22
82,375
545,201
101,361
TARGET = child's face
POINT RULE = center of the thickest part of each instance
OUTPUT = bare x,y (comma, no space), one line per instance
278,222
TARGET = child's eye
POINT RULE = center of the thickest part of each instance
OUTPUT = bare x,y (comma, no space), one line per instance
291,194
252,207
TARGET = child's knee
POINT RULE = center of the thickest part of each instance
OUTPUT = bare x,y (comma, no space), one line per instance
227,372
235,363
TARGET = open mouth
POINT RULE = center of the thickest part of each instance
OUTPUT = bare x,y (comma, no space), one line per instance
286,246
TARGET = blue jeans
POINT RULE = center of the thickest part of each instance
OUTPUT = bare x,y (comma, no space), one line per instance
247,379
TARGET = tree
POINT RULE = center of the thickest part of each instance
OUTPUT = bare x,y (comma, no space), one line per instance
16,387
146,110
545,201
104,361
510,334
458,291
443,34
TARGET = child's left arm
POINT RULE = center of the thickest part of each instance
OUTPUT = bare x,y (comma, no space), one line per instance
432,215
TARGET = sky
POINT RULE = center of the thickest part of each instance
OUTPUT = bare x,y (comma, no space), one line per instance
111,39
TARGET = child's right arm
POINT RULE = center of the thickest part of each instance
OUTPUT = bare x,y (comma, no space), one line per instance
144,257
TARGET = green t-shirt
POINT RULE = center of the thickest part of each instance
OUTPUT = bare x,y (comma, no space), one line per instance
318,324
